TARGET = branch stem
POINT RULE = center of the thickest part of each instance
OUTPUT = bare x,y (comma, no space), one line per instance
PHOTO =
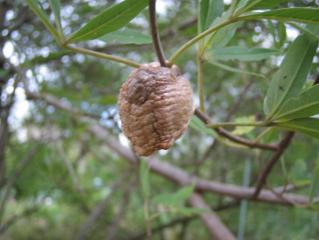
282,146
242,141
155,36
199,37
103,56
200,81
238,124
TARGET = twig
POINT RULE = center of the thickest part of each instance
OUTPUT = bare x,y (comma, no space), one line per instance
282,146
222,132
155,36
199,37
103,55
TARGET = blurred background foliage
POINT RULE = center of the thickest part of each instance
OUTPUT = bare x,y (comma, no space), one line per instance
64,173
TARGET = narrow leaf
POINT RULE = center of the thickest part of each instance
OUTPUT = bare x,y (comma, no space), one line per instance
298,14
302,106
216,8
311,29
203,11
109,20
308,126
268,4
126,36
234,69
209,11
287,82
241,53
34,5
223,36
56,8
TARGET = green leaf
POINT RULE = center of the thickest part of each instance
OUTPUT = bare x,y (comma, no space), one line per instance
109,20
287,82
145,178
174,199
314,190
268,4
223,36
240,130
311,29
234,69
282,35
127,36
209,10
34,5
299,14
302,106
242,3
241,53
56,8
308,126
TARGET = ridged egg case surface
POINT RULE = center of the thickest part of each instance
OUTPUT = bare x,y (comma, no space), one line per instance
155,106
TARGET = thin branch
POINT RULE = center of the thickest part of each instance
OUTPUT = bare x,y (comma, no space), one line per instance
222,132
155,36
200,81
213,223
282,146
199,37
104,56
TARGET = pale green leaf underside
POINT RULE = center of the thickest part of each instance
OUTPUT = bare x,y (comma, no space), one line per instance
299,14
308,126
287,82
302,106
126,36
241,53
234,69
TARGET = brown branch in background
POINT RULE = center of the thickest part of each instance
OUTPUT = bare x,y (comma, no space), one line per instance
170,171
155,35
282,146
213,223
222,132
